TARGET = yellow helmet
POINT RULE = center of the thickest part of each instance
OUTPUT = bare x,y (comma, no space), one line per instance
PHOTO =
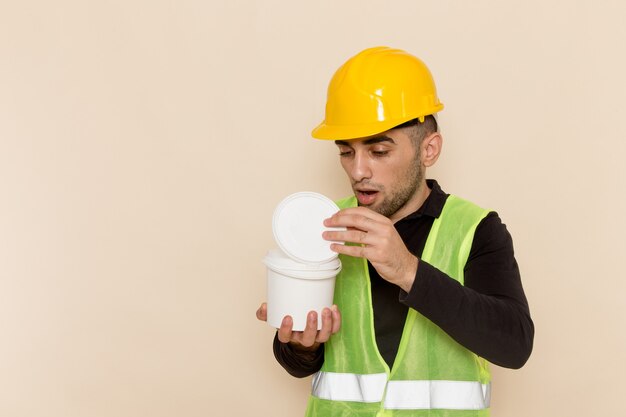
377,90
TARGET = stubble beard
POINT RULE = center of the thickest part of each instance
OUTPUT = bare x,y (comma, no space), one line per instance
403,192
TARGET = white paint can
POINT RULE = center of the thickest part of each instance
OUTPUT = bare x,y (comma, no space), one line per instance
301,274
295,288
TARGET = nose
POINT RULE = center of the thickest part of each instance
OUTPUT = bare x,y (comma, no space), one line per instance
360,168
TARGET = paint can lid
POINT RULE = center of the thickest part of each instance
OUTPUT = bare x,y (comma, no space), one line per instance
298,223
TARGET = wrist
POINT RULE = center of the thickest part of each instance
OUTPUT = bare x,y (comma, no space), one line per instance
409,274
309,354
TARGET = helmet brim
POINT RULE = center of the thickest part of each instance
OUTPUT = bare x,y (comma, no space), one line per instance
326,131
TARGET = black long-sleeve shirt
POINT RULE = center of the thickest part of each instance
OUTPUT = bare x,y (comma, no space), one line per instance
489,315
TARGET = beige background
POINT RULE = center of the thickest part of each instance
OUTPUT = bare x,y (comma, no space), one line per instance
145,144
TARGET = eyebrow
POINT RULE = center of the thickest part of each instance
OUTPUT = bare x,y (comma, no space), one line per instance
370,141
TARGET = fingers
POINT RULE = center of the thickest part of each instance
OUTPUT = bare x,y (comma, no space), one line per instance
355,251
354,236
310,337
363,227
327,326
261,313
331,323
336,318
285,330
358,218
310,331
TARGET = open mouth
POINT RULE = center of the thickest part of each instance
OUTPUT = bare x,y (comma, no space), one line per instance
366,197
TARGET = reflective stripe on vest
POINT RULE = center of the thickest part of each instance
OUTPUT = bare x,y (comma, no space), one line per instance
349,387
402,395
449,395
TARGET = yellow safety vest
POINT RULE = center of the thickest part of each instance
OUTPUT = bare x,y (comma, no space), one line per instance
432,374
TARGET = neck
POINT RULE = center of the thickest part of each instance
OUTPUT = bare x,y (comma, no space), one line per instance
415,202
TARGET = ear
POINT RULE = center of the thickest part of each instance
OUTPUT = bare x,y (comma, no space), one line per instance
431,149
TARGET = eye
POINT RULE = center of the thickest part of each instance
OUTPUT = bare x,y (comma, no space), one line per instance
343,152
379,153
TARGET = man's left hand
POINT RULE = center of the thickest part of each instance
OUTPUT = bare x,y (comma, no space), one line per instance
377,240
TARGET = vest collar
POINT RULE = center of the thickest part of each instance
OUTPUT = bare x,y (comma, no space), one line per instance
433,205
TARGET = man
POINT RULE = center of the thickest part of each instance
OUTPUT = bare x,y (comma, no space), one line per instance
430,290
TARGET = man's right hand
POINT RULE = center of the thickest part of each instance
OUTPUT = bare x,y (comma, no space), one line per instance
310,338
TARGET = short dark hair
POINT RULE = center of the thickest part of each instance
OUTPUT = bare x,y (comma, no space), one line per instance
421,129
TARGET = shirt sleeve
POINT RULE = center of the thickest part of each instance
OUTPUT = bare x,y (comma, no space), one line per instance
297,363
490,314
